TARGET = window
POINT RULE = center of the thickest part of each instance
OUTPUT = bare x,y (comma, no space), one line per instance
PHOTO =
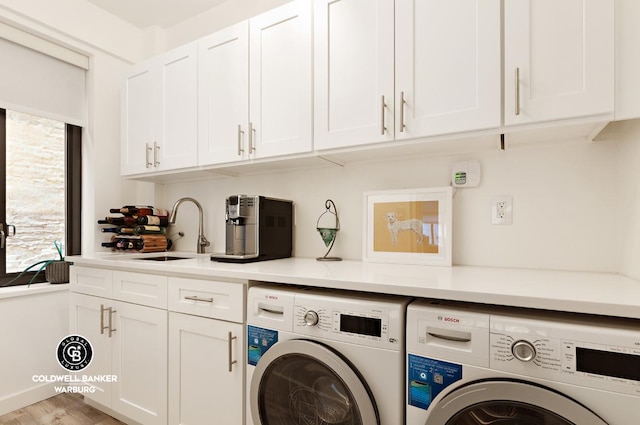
40,172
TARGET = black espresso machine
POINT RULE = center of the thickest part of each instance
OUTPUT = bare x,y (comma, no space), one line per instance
257,228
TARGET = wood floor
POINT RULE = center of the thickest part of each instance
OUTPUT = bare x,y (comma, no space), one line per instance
63,409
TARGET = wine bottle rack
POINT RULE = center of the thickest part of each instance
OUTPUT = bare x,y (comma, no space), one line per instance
136,228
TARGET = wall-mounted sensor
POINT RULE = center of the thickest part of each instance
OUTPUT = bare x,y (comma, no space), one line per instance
465,173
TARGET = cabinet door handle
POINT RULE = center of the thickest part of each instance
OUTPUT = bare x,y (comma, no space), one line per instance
197,298
230,339
402,102
102,326
111,329
147,150
240,133
156,149
517,91
252,142
382,110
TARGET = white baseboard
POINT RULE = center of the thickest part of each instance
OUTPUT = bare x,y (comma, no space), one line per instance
24,398
110,412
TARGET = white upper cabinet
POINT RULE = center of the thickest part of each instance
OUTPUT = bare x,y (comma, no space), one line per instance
223,105
447,66
627,59
442,56
178,128
353,72
256,87
159,113
281,81
558,59
138,119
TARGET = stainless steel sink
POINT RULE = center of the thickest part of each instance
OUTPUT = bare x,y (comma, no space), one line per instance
164,258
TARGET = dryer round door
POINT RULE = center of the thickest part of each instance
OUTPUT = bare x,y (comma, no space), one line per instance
509,403
300,382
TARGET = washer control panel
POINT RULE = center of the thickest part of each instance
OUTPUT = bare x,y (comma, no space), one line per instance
597,353
366,320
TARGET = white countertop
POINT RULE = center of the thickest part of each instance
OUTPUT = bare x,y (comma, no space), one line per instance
582,292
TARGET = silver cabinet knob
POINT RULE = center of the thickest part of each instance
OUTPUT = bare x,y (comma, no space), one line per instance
311,318
523,350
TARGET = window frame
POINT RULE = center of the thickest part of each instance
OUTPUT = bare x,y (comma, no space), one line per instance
73,200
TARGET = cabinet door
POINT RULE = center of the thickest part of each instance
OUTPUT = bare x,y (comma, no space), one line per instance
139,361
205,386
89,320
627,67
447,66
138,119
223,104
353,72
281,81
177,142
558,59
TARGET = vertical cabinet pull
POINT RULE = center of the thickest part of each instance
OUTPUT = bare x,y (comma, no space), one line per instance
156,149
402,102
102,326
230,339
147,150
240,133
252,142
111,329
109,326
382,111
517,91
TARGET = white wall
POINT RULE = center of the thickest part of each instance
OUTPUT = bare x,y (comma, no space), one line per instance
78,23
222,16
103,188
565,196
629,183
31,326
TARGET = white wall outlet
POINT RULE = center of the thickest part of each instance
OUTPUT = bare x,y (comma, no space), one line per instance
502,210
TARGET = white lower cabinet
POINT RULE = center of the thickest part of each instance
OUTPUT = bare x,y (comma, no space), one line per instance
173,344
205,371
206,341
139,361
87,318
129,342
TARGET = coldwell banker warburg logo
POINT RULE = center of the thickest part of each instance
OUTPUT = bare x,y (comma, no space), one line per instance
74,353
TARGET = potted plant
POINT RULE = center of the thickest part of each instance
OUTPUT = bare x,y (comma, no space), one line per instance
57,271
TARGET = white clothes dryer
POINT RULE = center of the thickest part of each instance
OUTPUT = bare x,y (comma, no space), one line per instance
473,365
317,357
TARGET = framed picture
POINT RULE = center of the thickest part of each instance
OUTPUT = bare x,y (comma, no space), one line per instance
410,226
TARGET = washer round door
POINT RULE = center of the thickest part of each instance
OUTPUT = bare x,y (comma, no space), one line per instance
509,403
300,382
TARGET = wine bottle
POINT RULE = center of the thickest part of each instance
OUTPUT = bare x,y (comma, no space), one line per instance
154,220
119,221
130,209
140,211
146,230
120,230
111,244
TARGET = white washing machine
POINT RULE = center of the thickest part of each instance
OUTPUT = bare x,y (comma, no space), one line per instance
316,357
468,366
